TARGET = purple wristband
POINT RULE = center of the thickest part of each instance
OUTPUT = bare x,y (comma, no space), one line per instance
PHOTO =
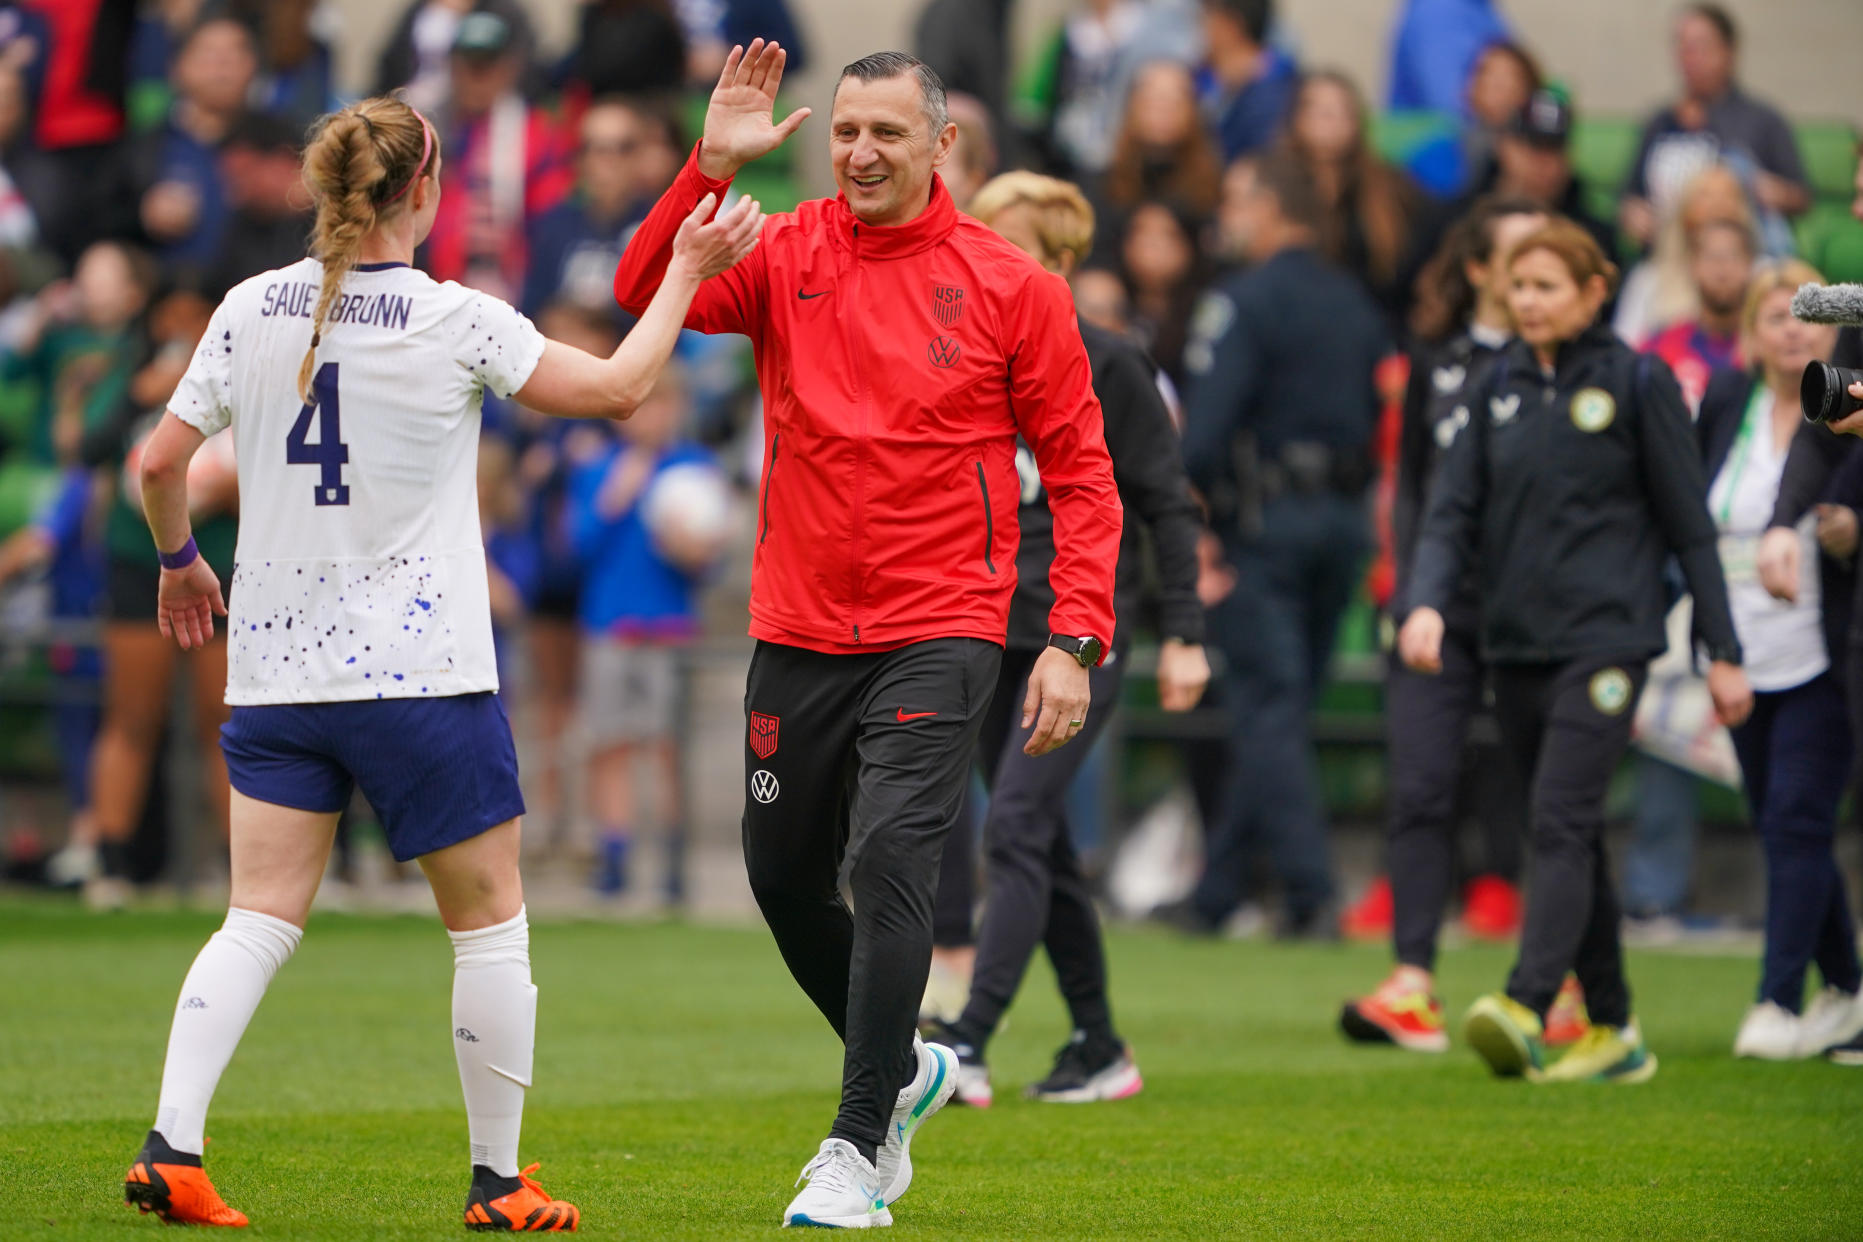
181,557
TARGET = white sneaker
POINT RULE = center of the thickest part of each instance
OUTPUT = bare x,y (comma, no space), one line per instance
1832,1018
843,1191
973,1084
930,1087
1768,1033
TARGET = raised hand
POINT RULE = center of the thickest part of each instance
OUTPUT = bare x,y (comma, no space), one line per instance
740,124
708,249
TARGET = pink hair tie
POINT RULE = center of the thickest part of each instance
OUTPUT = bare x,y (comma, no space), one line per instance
426,149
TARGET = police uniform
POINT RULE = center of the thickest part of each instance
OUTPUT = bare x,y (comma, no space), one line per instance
1568,491
1427,717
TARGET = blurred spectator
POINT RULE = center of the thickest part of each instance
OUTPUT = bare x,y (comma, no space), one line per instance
1247,84
18,226
643,557
1713,121
626,47
1435,49
1162,151
1164,275
552,449
139,664
974,156
81,347
1504,79
185,209
713,26
418,55
1660,290
575,245
271,220
503,167
967,42
1100,46
295,71
1278,440
1370,207
1720,266
1100,297
1531,161
512,563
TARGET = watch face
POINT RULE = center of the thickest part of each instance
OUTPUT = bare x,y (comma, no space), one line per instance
1089,652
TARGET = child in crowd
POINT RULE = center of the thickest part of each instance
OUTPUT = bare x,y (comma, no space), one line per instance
644,551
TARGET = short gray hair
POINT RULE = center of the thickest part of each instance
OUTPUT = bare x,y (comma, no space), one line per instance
881,66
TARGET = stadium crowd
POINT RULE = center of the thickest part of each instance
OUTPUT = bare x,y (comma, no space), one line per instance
1323,287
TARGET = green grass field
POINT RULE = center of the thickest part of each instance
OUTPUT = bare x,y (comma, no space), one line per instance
682,1081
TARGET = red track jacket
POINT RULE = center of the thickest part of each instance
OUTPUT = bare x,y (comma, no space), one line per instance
897,367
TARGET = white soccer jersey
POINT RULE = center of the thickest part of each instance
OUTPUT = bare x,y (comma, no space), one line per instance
361,568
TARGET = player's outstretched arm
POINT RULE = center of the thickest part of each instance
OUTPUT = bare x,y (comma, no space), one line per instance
570,383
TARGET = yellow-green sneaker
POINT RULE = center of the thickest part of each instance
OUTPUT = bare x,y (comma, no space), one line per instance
1604,1054
1506,1034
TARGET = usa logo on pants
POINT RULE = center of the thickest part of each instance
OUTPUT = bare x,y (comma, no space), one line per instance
762,735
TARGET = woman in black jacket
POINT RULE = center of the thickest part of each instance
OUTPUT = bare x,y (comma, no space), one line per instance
1463,324
1576,478
1035,893
1795,749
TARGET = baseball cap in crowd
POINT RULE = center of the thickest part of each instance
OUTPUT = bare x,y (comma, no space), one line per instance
1545,120
482,34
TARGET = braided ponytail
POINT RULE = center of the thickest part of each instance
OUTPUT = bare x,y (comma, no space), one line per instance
359,163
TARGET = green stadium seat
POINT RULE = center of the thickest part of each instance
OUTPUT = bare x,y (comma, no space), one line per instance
1815,227
1840,258
772,187
1399,135
1602,149
25,488
1829,149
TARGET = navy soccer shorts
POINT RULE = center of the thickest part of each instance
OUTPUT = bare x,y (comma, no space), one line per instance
437,771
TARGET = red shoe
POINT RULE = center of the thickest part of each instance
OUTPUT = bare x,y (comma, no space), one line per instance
173,1185
493,1206
1491,908
1369,918
1566,1021
1399,1012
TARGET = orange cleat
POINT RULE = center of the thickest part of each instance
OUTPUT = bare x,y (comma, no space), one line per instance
495,1205
1400,1012
1491,908
173,1185
1369,918
1566,1021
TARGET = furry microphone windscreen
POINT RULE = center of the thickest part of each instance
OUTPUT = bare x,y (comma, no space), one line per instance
1839,304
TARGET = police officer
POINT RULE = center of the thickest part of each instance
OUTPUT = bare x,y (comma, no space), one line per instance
1574,480
1277,436
1464,325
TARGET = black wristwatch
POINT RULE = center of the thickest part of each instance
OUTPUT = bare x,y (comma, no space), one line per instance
1086,650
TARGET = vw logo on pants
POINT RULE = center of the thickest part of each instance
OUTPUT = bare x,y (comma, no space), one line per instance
763,786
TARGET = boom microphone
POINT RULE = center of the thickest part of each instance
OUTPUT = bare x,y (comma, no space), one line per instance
1838,304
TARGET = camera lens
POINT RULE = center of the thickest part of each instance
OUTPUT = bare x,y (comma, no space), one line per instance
1824,392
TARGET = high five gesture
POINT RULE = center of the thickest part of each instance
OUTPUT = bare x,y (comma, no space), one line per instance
740,124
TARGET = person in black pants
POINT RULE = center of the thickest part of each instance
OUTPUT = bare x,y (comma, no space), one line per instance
1795,749
1035,891
1277,437
1465,326
1576,478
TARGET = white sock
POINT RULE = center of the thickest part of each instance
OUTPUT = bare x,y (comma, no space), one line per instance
494,1032
223,988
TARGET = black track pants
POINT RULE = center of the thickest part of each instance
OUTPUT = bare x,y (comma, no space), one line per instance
855,768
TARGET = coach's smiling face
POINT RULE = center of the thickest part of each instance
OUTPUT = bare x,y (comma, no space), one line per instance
885,149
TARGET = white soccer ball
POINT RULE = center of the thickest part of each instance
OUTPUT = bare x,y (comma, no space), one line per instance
689,504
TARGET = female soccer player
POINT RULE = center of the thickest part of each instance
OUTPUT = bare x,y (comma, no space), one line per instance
1575,478
361,647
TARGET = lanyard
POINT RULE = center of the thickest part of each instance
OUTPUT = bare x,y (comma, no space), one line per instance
1759,407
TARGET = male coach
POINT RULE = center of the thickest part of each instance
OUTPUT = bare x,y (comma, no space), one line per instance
901,347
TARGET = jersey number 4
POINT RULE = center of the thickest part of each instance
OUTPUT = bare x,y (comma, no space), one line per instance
329,452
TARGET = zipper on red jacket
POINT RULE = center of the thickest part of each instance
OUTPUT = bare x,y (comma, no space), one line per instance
769,473
860,440
989,520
